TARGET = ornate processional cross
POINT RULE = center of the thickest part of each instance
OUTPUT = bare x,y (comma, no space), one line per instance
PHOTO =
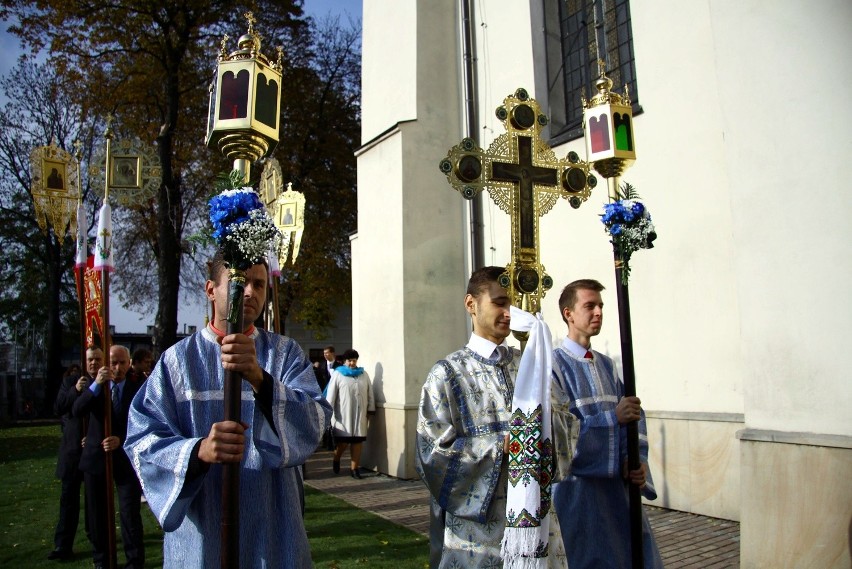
525,179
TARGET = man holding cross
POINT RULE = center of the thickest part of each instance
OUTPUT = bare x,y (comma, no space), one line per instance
462,430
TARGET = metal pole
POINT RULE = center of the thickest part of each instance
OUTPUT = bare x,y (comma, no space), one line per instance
243,166
477,245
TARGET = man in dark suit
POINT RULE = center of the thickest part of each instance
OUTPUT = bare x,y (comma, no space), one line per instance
323,371
109,385
70,449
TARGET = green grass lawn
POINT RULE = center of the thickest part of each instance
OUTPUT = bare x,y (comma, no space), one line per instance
340,536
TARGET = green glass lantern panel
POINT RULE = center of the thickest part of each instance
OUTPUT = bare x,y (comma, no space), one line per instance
623,134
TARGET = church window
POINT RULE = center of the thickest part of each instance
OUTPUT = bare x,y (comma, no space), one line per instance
572,52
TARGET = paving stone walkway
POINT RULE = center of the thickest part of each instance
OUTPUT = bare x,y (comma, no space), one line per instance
686,541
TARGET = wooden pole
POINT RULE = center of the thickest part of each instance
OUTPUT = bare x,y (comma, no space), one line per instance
110,501
230,528
105,342
81,307
276,310
634,461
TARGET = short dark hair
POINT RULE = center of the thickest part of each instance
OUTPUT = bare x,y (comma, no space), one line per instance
217,265
481,278
140,354
350,354
330,348
569,294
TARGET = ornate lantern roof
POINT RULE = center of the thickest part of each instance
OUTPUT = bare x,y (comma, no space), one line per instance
245,99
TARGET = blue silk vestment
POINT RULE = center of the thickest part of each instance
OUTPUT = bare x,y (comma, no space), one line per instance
179,403
592,502
465,407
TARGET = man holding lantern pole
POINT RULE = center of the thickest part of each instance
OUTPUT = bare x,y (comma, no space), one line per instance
592,502
178,441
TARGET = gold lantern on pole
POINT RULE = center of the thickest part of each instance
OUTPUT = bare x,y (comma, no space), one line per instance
608,122
245,98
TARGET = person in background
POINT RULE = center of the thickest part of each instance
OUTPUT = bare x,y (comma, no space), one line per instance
140,364
350,394
323,370
70,449
110,383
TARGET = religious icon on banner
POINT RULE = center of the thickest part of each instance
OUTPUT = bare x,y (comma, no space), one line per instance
135,174
287,209
54,188
93,300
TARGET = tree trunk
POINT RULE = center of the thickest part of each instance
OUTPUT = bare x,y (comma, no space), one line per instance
169,221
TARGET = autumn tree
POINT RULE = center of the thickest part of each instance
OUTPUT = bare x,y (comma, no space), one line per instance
150,63
36,277
317,153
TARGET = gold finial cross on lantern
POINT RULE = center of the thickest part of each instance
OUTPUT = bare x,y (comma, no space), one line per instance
525,179
249,16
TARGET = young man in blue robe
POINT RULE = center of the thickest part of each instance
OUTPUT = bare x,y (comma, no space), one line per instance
592,502
177,438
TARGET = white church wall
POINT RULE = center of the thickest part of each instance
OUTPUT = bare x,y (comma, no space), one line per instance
385,103
377,326
408,253
786,134
740,148
785,143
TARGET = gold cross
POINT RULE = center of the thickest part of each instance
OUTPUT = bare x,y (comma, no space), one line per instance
249,16
525,179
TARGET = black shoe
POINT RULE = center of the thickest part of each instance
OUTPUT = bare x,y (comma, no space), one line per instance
355,474
60,555
335,466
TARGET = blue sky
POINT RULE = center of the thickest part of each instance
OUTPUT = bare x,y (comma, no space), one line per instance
189,313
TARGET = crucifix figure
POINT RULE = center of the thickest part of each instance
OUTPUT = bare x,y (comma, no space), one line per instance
525,179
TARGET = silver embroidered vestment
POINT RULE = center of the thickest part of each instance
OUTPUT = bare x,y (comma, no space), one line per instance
463,418
177,407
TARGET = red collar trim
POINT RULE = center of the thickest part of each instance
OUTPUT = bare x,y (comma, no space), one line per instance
248,332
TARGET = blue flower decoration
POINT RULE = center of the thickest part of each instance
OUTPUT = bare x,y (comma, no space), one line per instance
242,227
629,226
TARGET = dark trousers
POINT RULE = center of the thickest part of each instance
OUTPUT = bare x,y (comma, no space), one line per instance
69,513
129,496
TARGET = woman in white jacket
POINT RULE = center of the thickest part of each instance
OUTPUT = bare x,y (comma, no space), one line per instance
350,394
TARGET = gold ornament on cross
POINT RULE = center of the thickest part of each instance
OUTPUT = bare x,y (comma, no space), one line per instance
525,179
